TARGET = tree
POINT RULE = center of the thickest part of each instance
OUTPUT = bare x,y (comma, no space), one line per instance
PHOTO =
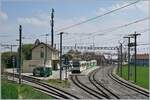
73,54
27,51
6,59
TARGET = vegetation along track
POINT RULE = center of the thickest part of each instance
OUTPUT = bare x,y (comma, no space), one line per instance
113,77
78,83
56,92
95,82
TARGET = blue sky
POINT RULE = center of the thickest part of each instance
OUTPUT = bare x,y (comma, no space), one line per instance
34,16
64,8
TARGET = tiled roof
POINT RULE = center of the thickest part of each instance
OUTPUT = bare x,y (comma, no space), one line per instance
141,56
54,49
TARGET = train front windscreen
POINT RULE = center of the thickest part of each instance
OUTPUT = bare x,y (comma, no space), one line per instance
76,64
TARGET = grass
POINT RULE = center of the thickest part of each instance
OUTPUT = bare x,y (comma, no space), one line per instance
59,83
28,92
142,75
11,90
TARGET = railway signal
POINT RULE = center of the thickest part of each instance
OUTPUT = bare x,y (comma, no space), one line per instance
10,46
13,60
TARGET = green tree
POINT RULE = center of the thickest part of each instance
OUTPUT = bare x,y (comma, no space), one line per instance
6,59
27,51
73,54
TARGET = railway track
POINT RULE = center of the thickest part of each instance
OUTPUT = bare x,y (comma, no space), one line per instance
101,92
78,83
53,91
109,94
138,90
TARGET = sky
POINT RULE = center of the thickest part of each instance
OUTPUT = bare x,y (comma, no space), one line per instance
34,16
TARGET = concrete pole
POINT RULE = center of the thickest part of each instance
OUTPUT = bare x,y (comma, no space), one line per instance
52,28
129,59
61,55
121,58
20,43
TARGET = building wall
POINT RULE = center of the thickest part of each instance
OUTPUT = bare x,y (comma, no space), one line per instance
37,60
51,55
141,62
55,56
36,52
29,65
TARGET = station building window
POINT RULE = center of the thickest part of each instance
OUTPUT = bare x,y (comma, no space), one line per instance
42,53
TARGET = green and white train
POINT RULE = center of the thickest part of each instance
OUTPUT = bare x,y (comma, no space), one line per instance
78,66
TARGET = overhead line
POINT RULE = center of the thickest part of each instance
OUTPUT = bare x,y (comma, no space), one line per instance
143,44
121,26
103,32
90,19
117,27
144,30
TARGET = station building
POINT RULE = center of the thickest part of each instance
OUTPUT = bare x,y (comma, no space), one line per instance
142,59
42,54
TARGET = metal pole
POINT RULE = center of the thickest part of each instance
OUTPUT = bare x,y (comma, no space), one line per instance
66,72
135,56
121,58
20,41
61,55
11,48
118,60
135,44
75,46
13,62
128,58
52,26
45,51
93,43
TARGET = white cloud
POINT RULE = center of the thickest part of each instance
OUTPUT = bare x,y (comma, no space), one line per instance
32,21
101,11
40,23
3,16
142,6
